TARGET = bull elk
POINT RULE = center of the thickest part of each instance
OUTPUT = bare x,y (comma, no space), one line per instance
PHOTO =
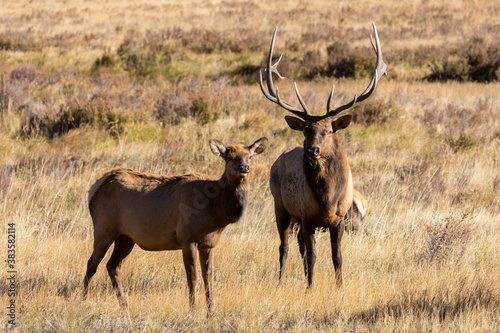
353,218
353,222
313,184
158,213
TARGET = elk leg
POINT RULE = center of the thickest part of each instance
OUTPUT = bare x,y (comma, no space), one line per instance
123,247
189,257
101,246
302,248
283,222
335,239
206,272
308,231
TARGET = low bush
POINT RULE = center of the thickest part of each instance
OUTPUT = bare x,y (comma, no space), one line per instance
449,238
192,99
107,60
40,121
143,57
171,108
475,60
346,62
17,41
311,65
246,73
463,142
376,111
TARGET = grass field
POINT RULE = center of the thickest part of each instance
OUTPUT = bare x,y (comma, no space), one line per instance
87,86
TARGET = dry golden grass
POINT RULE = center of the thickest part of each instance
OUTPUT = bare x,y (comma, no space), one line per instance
423,154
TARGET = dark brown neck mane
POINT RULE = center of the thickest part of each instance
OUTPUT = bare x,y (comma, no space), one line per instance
328,177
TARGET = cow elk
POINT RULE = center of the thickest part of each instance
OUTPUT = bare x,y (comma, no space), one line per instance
313,184
355,215
158,213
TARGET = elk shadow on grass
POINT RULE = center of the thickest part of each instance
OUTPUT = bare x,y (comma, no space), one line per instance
444,303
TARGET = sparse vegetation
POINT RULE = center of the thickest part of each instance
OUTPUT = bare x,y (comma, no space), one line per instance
476,60
450,238
88,86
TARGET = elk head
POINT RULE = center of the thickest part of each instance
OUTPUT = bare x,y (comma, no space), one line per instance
317,129
237,157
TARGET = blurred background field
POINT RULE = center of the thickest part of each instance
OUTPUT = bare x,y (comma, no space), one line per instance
86,86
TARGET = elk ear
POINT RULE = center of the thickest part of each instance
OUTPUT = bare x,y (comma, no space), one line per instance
258,146
342,122
295,123
217,147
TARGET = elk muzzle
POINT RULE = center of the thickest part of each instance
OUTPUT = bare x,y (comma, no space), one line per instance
312,153
243,170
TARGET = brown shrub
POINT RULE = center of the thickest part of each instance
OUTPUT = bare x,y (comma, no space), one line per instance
449,239
41,121
11,93
171,108
311,65
105,61
346,62
464,141
17,41
5,178
202,41
37,120
190,98
474,60
24,73
141,56
461,125
376,111
245,73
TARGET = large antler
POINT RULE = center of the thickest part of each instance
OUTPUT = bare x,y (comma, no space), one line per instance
273,95
380,69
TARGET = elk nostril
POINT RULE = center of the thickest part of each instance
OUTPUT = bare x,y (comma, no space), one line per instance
314,151
244,168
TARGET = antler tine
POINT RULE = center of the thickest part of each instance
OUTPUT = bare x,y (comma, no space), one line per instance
270,66
274,97
329,99
287,107
272,93
380,69
301,101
